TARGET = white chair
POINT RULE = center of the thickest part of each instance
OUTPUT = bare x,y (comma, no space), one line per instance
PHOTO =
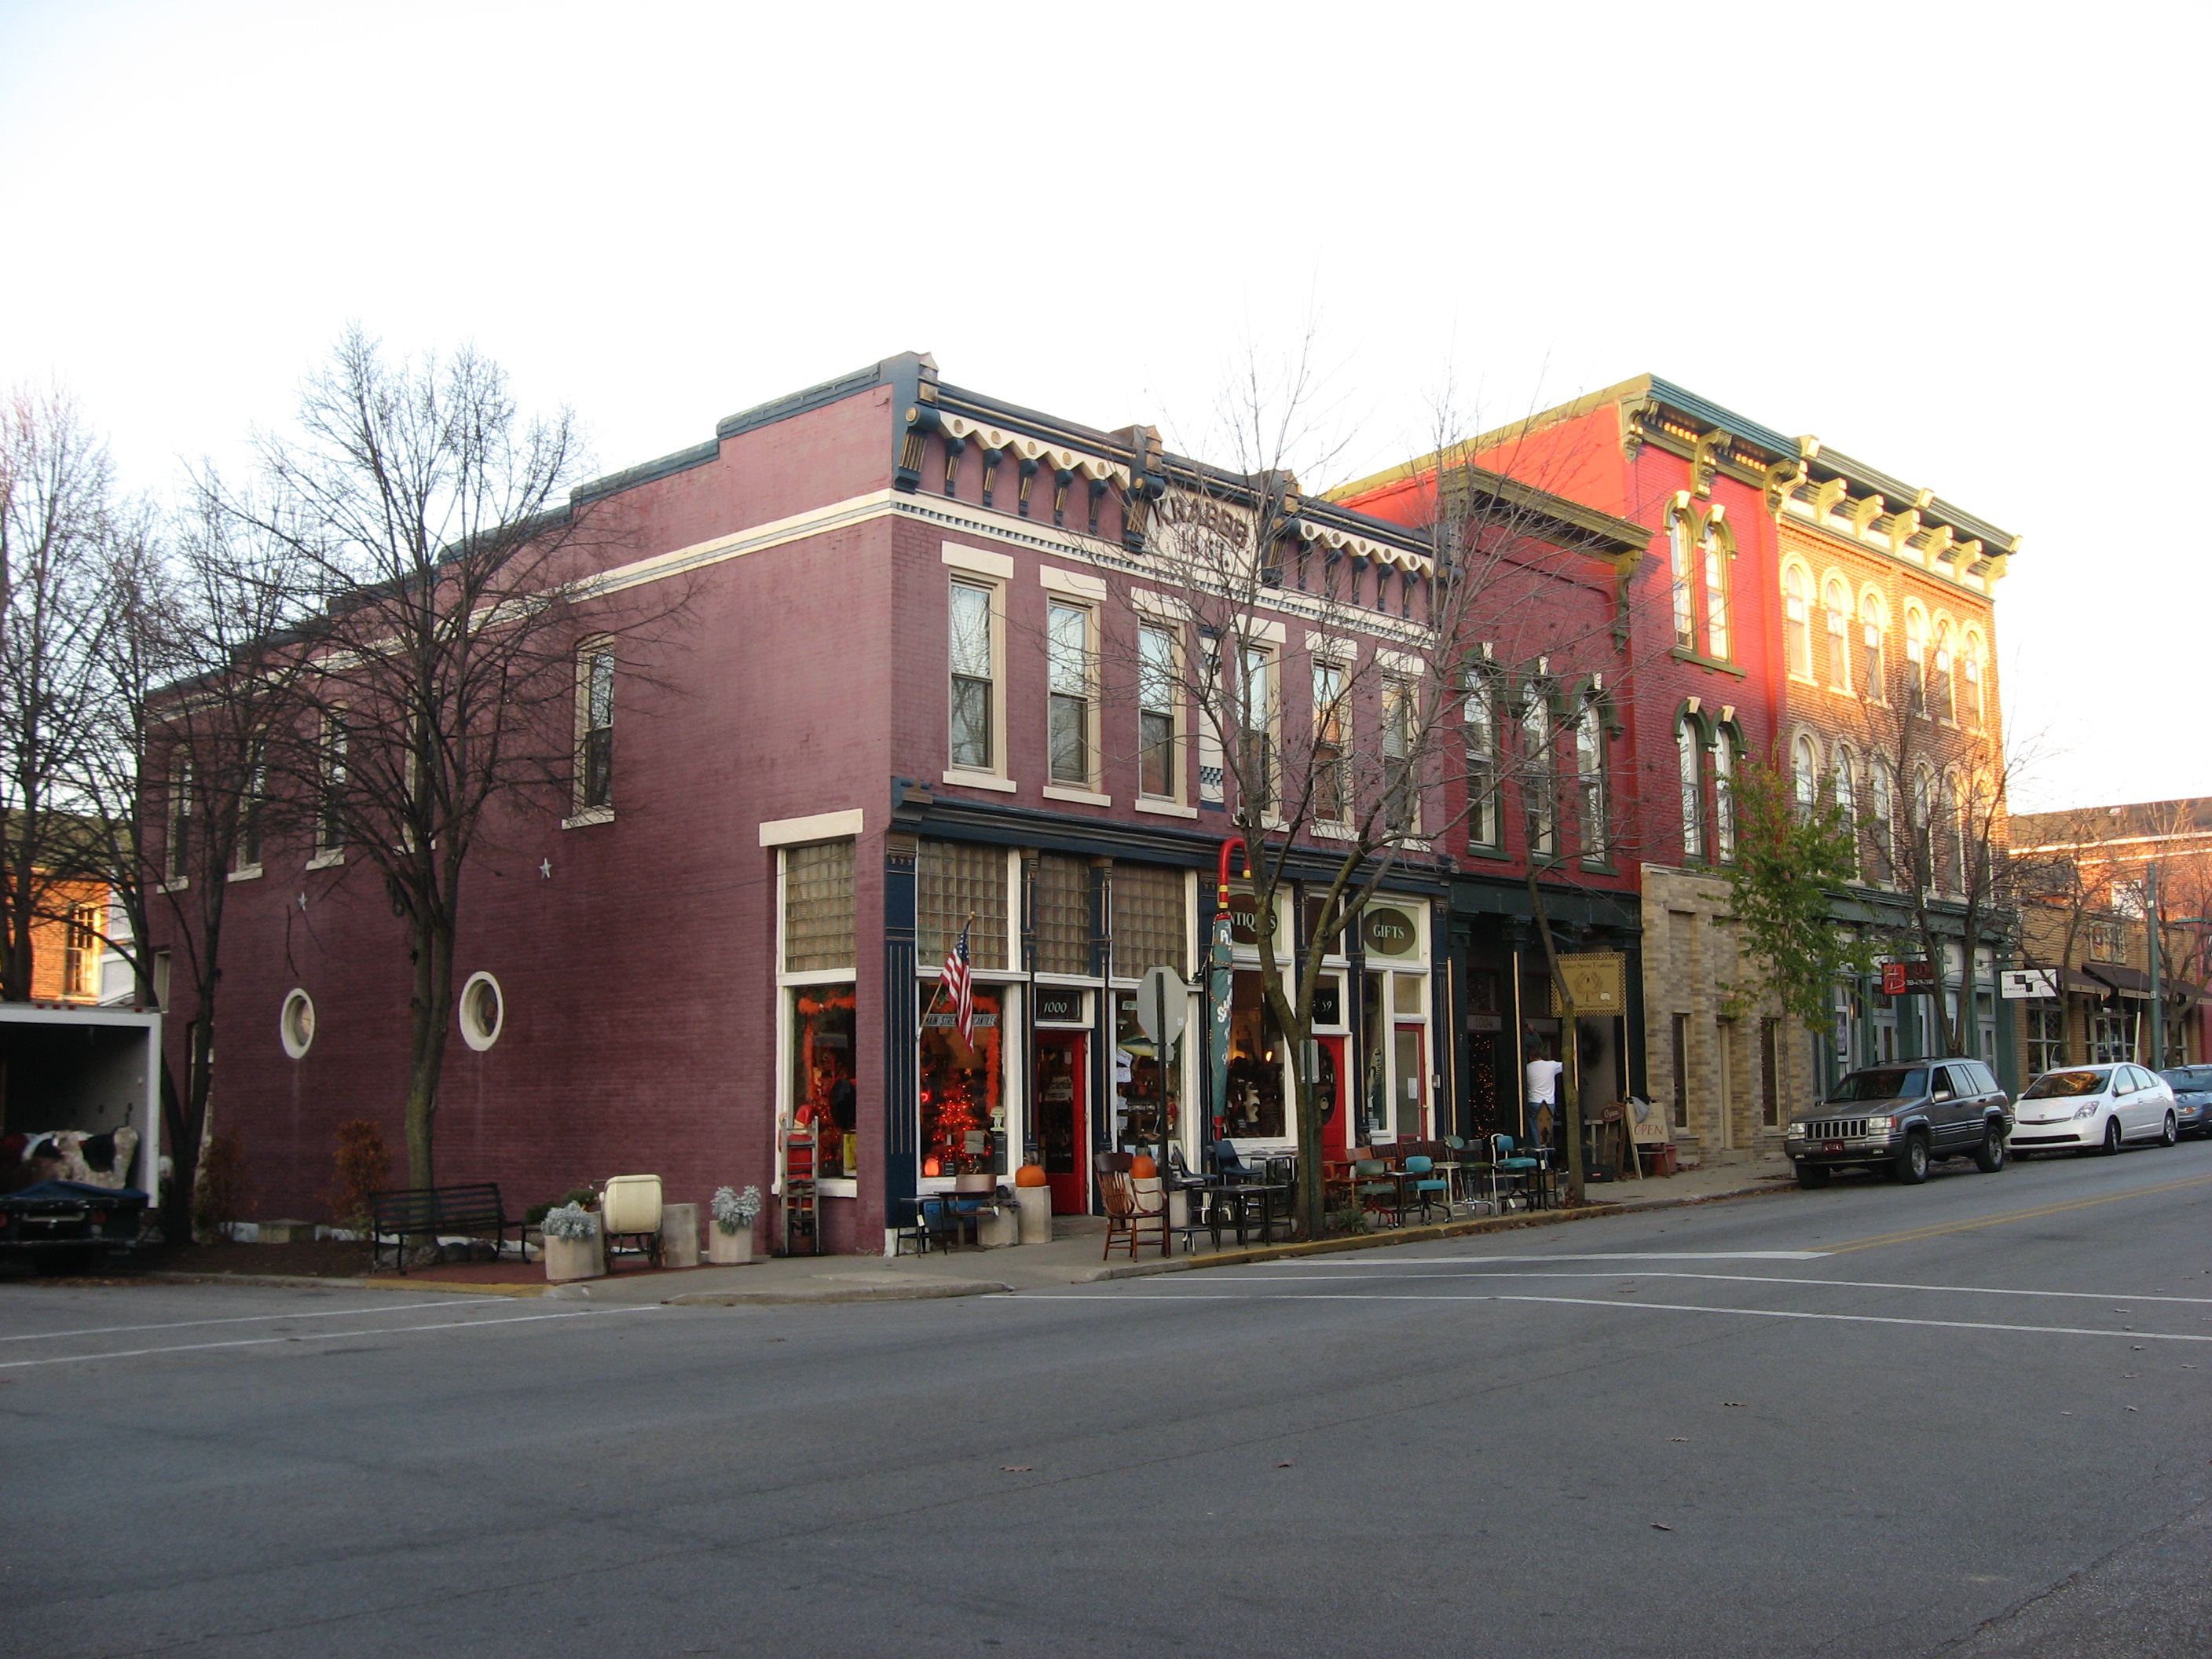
629,1207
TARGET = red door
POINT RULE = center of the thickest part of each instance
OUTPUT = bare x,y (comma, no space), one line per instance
1329,1092
1063,1127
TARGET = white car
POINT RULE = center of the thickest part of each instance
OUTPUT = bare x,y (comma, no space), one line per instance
2081,1108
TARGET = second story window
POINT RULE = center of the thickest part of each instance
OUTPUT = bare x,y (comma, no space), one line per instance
972,659
1690,768
1539,793
1797,621
1481,719
1679,580
1590,781
1401,789
1724,757
1839,638
1716,594
1332,795
329,809
595,744
1255,719
1156,706
1067,658
177,854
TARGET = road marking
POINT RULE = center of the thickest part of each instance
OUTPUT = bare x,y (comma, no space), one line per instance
1164,1295
1938,1229
1599,1255
1769,1278
240,1319
322,1336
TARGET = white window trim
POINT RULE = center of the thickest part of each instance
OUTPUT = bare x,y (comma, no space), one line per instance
1166,809
1179,719
968,780
819,826
583,815
245,872
475,1038
297,1050
1068,791
1401,662
329,858
995,585
1160,606
997,566
1070,582
1261,628
588,817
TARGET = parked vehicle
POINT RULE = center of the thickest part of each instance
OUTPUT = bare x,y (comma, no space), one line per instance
2099,1107
1899,1119
68,1224
2192,1098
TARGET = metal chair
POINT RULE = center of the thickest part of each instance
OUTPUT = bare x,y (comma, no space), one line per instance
1426,1186
1515,1175
1379,1189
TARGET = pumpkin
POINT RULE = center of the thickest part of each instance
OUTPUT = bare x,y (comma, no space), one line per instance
1029,1174
1142,1167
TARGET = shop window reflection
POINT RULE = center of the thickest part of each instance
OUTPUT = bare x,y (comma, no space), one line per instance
822,1082
963,1104
1143,1087
1256,1065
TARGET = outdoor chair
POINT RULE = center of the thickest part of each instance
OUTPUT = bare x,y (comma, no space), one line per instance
1134,1209
1377,1190
629,1207
1426,1187
1515,1175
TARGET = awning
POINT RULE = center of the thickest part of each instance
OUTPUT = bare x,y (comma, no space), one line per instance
2108,976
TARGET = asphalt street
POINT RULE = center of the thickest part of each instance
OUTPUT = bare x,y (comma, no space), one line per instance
1966,1418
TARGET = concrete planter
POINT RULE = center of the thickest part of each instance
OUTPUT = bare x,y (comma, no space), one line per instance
729,1249
575,1258
1036,1214
679,1234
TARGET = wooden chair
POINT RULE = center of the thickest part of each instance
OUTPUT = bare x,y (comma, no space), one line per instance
1133,1208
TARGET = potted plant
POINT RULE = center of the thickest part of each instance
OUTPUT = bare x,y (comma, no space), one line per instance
730,1240
571,1234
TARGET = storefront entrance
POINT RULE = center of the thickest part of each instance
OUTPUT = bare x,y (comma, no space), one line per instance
1063,1120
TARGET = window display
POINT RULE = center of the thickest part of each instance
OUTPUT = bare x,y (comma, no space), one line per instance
822,1080
964,1100
1255,1106
1143,1087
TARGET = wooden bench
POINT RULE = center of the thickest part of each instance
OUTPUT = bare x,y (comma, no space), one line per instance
414,1212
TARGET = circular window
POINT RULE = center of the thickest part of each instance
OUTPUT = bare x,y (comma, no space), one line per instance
296,1025
483,1011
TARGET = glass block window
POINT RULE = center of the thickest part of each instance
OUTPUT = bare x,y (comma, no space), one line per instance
956,879
817,907
1148,920
1063,915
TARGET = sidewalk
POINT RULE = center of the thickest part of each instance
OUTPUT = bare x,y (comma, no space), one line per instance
1072,1258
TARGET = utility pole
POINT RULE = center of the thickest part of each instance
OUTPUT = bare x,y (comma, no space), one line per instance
2157,989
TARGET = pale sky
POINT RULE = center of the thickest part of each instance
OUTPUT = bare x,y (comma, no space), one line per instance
1959,242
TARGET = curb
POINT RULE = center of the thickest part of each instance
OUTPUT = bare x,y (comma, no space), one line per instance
919,1292
302,1281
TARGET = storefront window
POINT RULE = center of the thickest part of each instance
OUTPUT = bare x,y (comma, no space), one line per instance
1144,1086
822,1082
1256,1065
964,1102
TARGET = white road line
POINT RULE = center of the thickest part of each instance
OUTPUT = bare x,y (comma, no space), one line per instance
1763,1279
1592,1302
1622,1255
322,1336
240,1319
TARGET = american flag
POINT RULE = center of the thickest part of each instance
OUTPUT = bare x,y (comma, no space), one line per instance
956,982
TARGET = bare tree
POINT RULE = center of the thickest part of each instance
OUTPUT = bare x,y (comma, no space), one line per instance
57,526
456,576
1328,674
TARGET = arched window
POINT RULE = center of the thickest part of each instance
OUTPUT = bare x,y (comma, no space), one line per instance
1916,661
1839,636
1882,830
1692,772
1678,567
1805,773
1716,594
1589,780
1845,785
1724,758
1941,703
1797,621
1873,630
1921,825
1957,834
1970,671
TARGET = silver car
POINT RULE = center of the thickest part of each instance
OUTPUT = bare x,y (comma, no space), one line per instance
2094,1108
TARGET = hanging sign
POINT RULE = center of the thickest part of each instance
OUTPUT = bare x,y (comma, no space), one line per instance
1900,979
1596,981
2019,983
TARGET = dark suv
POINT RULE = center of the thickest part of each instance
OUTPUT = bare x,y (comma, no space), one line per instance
1900,1118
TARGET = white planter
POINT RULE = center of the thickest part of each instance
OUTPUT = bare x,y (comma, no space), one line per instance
574,1258
996,1231
729,1249
1036,1214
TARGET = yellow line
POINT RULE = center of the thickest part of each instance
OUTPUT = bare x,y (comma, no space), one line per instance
1918,1233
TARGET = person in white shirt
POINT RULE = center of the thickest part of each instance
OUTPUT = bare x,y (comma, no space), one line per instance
1543,1093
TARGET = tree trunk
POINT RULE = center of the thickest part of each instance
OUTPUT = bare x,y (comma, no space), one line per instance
431,1007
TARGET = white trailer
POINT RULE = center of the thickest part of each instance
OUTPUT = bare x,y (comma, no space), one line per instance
91,1069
